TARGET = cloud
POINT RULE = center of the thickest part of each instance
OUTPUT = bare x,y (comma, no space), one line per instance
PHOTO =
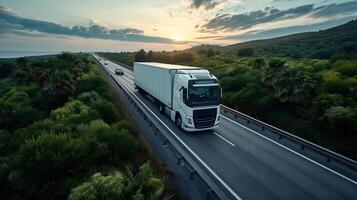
227,22
10,22
206,4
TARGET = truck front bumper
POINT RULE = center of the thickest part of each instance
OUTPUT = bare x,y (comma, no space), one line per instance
193,129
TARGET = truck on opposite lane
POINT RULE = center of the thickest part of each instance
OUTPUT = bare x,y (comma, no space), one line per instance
190,96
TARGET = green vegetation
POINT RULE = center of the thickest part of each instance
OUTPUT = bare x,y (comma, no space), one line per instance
335,43
61,136
309,95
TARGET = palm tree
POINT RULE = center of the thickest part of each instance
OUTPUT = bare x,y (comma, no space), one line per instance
272,70
60,87
293,85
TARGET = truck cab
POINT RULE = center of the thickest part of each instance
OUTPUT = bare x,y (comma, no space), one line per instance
198,95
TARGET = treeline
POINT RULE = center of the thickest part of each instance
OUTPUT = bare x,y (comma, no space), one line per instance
62,137
174,57
126,58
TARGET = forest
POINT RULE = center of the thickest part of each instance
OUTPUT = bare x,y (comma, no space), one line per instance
61,135
313,97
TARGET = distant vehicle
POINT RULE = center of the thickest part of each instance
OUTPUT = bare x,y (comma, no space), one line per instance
189,95
119,72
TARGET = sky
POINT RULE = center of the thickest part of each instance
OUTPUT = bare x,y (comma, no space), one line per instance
122,25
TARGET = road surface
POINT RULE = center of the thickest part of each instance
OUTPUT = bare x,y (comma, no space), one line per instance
254,166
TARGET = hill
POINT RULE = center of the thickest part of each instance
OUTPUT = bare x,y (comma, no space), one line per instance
321,44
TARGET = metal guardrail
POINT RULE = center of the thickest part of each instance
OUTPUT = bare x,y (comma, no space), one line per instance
330,156
218,188
302,143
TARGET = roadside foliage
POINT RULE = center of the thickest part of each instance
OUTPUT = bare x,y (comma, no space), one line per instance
61,135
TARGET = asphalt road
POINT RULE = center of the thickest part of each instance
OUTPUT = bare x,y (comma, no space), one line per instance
254,166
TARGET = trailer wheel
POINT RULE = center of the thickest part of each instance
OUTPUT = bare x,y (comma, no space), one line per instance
161,108
178,121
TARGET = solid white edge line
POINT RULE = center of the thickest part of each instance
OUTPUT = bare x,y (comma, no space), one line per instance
224,139
188,148
328,169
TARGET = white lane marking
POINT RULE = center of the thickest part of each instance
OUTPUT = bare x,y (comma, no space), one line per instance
187,147
318,164
224,139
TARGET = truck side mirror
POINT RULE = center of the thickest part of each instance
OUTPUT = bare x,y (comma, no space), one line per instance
184,94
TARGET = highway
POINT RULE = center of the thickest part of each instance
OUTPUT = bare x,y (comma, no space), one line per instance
252,165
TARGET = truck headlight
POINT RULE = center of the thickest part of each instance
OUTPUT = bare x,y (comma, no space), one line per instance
189,120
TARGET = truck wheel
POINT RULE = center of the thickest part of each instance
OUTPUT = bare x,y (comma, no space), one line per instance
178,121
141,92
161,108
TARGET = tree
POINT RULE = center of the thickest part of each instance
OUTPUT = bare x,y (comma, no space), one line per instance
258,63
181,57
23,73
59,88
150,56
140,56
6,69
202,51
210,53
294,85
272,70
245,52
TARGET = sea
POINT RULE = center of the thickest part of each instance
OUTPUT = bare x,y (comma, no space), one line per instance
17,54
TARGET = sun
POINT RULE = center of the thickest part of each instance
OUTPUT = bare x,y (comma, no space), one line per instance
178,38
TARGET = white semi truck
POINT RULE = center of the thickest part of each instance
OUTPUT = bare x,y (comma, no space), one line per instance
189,95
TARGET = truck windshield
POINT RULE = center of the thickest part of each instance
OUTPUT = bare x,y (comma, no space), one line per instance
204,95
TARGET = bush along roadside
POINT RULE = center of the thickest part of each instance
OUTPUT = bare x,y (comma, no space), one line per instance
62,137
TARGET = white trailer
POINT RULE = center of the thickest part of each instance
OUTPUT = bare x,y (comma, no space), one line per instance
189,95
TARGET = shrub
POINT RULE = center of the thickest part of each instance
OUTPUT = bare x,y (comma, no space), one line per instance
342,120
92,82
233,83
323,102
106,111
336,87
331,76
346,68
100,187
70,108
109,144
43,161
89,98
4,140
120,145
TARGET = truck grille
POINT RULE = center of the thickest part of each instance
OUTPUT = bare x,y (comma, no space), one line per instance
204,118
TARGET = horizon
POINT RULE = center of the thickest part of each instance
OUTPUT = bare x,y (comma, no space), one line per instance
163,25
